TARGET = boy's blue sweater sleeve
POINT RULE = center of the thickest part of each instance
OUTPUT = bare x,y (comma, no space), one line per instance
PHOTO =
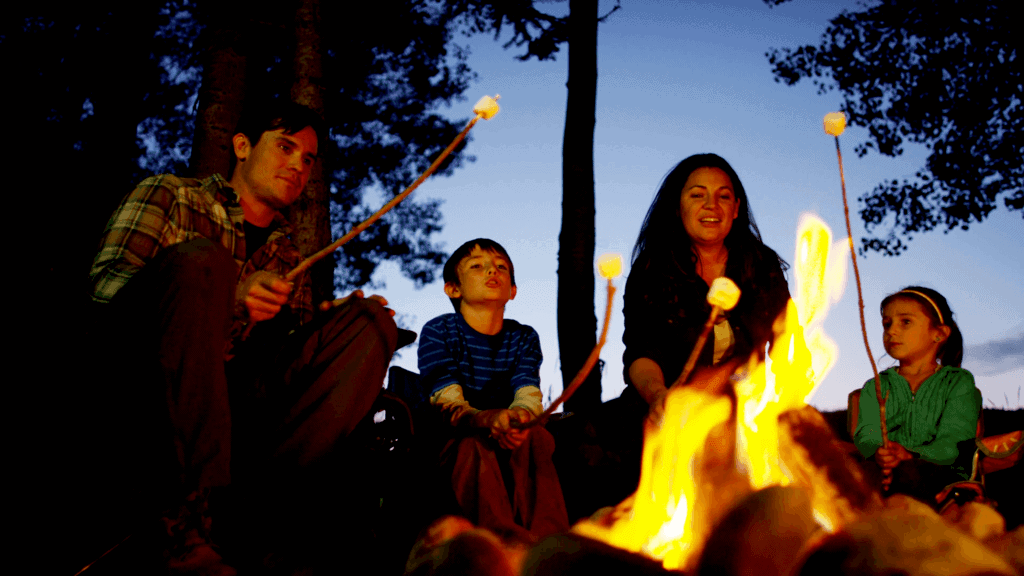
436,359
527,372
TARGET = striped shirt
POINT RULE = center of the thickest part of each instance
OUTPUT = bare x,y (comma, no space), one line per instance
490,369
166,210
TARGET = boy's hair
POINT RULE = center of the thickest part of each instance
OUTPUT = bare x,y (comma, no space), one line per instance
951,352
451,267
273,115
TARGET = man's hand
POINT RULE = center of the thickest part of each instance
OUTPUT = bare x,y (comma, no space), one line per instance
358,294
263,293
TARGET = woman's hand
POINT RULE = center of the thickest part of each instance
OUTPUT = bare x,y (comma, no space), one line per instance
648,379
657,406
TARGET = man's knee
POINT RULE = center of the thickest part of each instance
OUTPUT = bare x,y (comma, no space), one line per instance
199,261
190,274
369,319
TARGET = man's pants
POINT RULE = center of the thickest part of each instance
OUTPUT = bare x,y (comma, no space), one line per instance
292,395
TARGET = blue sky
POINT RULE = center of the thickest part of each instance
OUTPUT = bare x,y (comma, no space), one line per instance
679,78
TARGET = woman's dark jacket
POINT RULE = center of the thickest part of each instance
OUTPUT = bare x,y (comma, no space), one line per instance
666,308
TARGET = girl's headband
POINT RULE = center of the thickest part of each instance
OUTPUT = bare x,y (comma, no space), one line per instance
930,301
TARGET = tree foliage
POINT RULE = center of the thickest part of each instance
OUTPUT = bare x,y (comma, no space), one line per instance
942,73
110,92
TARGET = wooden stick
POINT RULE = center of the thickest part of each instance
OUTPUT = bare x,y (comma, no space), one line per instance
860,302
584,371
695,353
305,264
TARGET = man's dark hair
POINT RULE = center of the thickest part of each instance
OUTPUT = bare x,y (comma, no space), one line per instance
451,267
273,115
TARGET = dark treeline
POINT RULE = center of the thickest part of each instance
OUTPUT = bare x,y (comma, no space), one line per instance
944,74
109,96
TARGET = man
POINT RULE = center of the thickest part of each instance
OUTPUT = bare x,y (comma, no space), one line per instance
191,275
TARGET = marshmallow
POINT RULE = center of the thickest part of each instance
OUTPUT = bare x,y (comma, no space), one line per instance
835,123
724,293
486,107
609,265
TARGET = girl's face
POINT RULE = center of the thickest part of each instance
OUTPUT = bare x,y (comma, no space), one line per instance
908,333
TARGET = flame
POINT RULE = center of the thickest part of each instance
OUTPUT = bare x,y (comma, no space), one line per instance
663,522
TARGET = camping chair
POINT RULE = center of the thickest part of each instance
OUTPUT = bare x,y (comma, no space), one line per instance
991,455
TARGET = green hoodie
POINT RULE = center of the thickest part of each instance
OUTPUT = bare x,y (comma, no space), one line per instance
929,424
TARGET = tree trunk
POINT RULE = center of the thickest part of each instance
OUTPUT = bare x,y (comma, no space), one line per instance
310,215
577,324
221,94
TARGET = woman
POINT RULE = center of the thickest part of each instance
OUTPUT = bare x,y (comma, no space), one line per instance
700,227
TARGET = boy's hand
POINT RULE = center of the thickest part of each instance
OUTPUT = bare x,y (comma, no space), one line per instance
499,423
263,293
511,438
456,412
492,420
358,294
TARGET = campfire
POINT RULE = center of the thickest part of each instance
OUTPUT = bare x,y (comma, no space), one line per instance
722,472
740,476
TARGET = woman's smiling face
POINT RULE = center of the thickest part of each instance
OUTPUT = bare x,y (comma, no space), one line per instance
708,206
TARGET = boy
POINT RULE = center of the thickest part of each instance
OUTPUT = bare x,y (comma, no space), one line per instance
482,372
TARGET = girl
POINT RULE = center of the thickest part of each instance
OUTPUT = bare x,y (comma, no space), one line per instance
933,406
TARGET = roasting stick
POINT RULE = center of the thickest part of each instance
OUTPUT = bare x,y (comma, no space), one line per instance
485,108
723,295
610,266
835,124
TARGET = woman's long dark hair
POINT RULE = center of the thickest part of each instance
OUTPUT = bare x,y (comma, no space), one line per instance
951,353
664,238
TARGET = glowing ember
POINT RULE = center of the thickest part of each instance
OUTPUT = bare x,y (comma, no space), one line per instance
666,521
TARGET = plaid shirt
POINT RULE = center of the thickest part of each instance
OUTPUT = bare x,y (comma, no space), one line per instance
165,210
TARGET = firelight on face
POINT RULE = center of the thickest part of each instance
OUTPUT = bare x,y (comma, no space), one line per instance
276,169
484,276
708,206
908,331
